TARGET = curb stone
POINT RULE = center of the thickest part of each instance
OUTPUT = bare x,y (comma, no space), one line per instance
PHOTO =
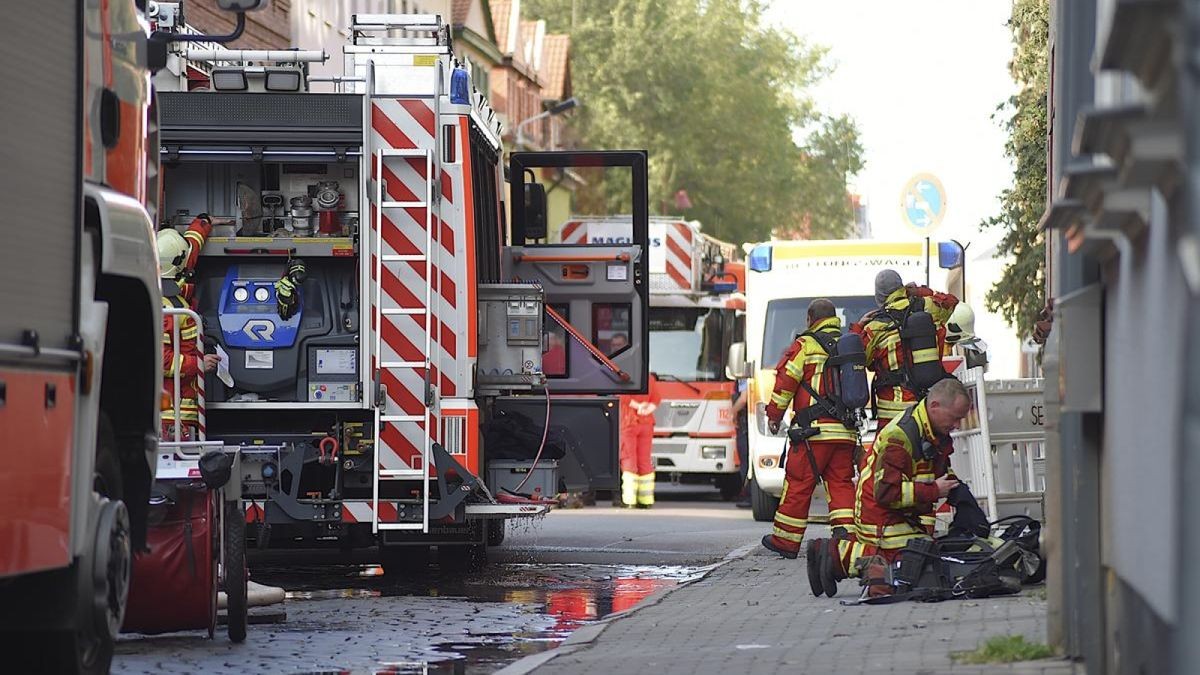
588,634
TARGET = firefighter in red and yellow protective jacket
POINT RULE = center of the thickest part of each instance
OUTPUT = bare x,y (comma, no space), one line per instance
177,258
903,369
637,439
802,381
907,471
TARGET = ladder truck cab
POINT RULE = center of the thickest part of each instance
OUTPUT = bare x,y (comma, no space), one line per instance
367,402
697,305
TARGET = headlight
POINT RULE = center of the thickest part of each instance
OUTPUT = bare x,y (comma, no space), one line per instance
768,461
712,452
760,417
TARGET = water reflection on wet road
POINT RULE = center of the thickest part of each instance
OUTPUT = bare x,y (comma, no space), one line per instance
353,618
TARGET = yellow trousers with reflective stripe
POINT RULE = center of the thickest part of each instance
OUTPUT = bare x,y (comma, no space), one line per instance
637,489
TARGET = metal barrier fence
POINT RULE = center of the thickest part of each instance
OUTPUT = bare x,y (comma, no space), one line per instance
1000,451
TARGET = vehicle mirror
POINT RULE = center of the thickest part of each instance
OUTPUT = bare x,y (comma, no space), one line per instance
735,365
535,211
243,5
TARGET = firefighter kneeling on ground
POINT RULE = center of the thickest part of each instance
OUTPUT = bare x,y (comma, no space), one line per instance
823,442
907,471
177,258
904,340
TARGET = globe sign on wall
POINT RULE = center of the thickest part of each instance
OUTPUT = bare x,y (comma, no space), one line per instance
923,203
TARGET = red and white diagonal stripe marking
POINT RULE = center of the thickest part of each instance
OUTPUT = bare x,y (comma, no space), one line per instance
679,254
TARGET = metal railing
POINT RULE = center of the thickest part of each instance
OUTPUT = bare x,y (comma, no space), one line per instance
1000,451
193,448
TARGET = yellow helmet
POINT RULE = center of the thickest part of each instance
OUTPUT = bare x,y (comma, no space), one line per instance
172,252
960,327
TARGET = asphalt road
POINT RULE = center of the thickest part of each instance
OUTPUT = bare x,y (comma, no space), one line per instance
551,576
687,526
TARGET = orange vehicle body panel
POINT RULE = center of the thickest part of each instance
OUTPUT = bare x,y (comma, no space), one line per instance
36,441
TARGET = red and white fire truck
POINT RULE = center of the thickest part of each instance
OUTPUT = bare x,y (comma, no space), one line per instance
80,326
697,305
387,404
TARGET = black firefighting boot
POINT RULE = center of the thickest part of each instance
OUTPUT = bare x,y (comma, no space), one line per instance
831,567
770,546
812,559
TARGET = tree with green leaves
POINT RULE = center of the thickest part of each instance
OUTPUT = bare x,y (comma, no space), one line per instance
718,98
1020,293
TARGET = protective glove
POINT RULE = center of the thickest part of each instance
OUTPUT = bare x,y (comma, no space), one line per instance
286,288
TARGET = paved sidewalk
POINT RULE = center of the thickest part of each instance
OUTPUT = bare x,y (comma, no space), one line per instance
756,614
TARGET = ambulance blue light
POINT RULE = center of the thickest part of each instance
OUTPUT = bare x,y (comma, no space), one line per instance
951,255
760,258
460,87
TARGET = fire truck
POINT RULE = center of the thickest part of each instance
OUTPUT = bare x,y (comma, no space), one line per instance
696,313
80,326
371,407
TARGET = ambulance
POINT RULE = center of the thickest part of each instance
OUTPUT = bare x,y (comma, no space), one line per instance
782,278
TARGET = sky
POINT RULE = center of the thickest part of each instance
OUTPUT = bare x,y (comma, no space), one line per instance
922,78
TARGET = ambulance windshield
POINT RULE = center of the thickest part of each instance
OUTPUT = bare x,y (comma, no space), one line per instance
788,317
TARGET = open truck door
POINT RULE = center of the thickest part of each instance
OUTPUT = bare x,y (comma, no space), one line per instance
596,300
596,294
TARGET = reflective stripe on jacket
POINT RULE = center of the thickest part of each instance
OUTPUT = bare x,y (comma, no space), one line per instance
881,342
804,361
895,490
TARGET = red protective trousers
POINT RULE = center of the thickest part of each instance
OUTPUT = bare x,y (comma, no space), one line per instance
637,463
835,462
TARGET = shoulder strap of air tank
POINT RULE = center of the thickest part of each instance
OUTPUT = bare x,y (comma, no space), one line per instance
908,424
823,338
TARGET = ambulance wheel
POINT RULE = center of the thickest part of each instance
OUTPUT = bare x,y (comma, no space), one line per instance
236,607
762,504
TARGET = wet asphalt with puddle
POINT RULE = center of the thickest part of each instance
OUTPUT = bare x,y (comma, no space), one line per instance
353,618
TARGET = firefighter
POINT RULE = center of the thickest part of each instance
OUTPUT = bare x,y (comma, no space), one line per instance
177,258
828,451
891,361
637,438
907,472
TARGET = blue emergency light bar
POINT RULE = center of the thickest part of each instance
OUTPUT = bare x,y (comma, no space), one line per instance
950,255
460,87
760,258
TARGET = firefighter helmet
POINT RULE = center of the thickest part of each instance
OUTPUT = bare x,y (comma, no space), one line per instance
172,252
960,327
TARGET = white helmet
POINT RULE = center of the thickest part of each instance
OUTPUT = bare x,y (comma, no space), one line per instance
172,252
960,327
